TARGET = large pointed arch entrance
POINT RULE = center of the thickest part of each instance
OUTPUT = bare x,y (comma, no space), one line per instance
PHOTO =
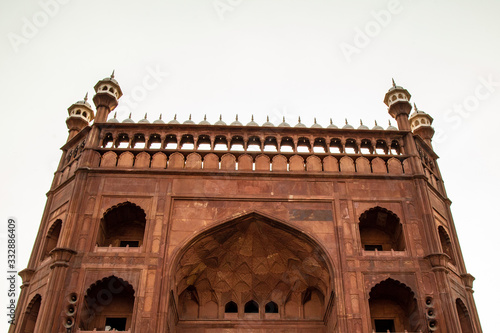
252,272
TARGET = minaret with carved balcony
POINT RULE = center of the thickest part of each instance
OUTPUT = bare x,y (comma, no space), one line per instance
80,115
398,101
420,124
108,92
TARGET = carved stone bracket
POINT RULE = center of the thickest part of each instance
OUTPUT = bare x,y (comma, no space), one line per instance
26,275
468,280
439,261
61,257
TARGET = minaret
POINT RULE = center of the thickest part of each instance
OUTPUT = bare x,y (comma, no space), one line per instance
420,123
398,101
80,115
108,92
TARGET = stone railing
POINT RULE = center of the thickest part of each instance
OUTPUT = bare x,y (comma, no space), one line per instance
251,149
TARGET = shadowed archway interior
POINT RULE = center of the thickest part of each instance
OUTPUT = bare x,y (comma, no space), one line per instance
254,259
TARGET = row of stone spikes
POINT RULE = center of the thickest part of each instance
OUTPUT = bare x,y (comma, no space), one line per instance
220,122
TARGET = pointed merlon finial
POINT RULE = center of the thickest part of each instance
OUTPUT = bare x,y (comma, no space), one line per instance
113,74
86,97
393,83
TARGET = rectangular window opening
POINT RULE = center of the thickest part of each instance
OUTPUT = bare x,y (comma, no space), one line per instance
129,243
373,247
117,324
384,325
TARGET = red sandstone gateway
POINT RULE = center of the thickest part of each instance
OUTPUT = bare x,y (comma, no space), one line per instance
198,228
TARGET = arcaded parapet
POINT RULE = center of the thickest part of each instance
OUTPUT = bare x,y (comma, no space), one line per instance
228,162
193,161
125,160
363,165
159,161
279,163
211,162
176,161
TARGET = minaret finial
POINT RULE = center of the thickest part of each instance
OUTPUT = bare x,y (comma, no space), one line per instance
361,122
175,116
190,116
283,118
299,119
86,97
346,121
205,118
160,115
220,117
252,117
389,122
130,115
236,117
113,74
376,123
415,106
268,118
331,121
146,115
315,120
115,115
393,83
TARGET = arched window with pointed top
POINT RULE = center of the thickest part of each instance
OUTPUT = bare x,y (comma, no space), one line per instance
251,307
381,230
122,226
51,239
231,307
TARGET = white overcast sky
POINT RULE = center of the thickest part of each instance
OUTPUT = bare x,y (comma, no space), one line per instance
280,57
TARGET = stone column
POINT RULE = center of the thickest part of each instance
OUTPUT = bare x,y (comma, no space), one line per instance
50,319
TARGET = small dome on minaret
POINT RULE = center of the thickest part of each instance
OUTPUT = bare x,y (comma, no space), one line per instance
80,115
398,101
316,125
220,122
252,122
268,123
347,125
284,123
113,120
361,126
108,92
299,124
332,125
420,124
236,122
204,121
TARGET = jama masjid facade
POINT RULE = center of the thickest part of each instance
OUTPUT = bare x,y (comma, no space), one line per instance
194,228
